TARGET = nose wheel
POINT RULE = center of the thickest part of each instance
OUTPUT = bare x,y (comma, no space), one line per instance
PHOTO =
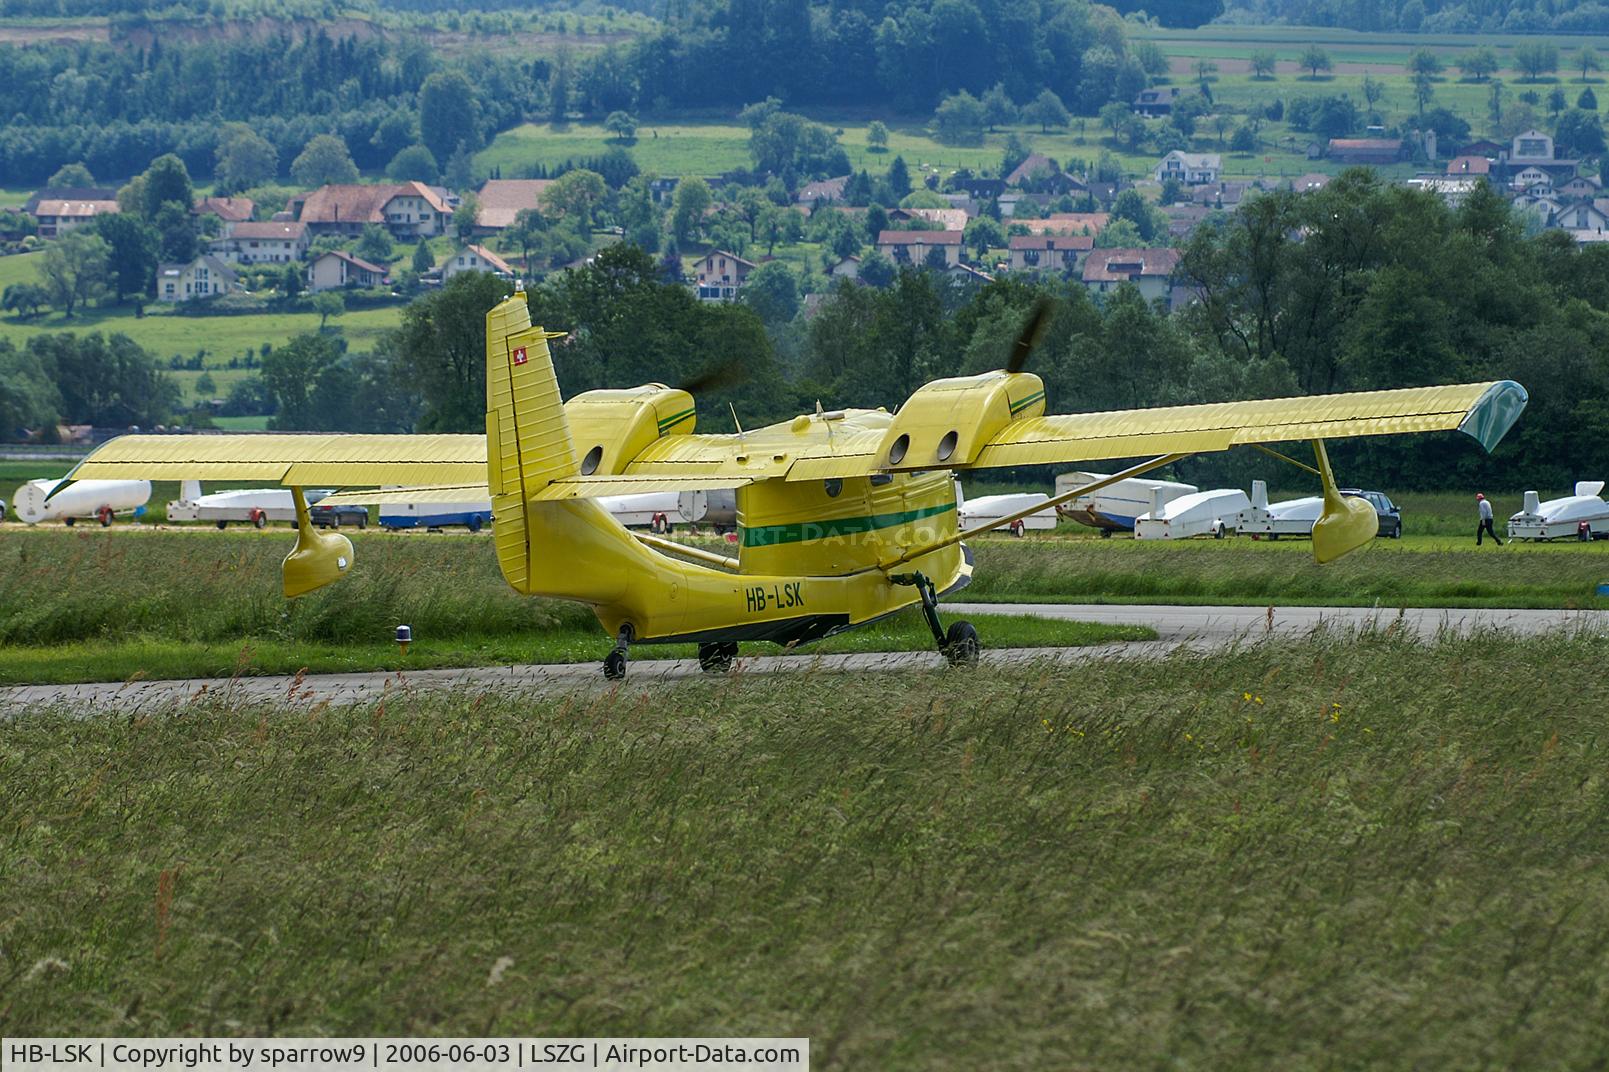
960,644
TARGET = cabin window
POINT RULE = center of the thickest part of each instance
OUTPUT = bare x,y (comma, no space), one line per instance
833,487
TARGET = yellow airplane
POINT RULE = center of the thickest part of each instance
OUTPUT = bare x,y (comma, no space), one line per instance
844,516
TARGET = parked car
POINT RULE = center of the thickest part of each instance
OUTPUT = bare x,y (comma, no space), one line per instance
333,517
1390,515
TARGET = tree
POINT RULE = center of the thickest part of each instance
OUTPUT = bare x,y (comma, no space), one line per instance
623,125
692,200
441,348
1263,63
165,182
1204,70
1373,91
1130,206
133,248
374,244
1587,61
573,196
876,270
1424,62
460,170
291,376
106,381
324,159
1556,101
1588,101
1315,59
1047,110
205,387
877,136
1423,90
28,397
449,113
73,270
899,177
70,175
1478,65
176,230
1113,115
1133,133
415,163
292,280
327,303
983,233
998,107
465,215
1494,101
1535,58
1579,134
960,118
423,259
244,158
25,300
772,291
1244,141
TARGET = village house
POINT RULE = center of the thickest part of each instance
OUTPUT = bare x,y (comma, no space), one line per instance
825,191
204,277
476,259
966,275
719,275
336,268
58,210
1469,165
407,210
1035,166
846,268
262,242
1048,252
948,219
1365,150
1190,169
1156,102
1307,183
1585,222
1529,177
1065,223
912,248
1530,147
500,201
229,210
1579,188
1018,203
1151,270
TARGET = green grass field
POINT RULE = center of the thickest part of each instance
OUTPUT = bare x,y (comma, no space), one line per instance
1315,855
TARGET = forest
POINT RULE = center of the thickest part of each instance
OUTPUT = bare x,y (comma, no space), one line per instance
1427,16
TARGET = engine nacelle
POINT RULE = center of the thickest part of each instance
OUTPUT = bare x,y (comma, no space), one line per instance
946,422
611,427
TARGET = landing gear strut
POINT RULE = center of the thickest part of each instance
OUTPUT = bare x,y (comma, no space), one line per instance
614,664
716,658
960,644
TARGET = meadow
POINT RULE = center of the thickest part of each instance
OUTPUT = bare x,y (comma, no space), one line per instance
1335,853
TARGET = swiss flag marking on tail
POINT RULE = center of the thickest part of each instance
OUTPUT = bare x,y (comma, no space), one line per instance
519,356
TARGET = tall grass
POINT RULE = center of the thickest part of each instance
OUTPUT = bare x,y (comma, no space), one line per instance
1327,854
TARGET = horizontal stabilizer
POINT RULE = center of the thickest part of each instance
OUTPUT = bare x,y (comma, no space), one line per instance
593,487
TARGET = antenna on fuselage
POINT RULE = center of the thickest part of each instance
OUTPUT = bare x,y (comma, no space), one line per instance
735,421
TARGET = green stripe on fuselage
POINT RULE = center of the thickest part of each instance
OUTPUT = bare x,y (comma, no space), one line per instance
1026,402
674,419
770,535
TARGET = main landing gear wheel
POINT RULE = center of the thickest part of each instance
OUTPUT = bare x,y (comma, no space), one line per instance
961,644
614,664
716,658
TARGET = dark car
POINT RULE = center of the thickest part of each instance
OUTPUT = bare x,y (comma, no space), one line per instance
1390,516
333,517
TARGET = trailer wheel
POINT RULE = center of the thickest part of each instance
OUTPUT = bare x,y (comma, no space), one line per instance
259,520
69,521
1218,531
1106,534
223,525
1017,529
473,524
104,516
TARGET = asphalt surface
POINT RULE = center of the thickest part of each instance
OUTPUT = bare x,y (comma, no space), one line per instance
1198,628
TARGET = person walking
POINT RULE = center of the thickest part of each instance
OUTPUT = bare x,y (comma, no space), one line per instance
1484,528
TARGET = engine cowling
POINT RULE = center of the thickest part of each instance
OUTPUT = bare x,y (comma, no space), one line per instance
946,422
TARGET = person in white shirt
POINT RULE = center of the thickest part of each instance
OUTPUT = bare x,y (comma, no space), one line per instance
1484,528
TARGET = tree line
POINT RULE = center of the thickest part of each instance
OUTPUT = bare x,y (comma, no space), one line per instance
1427,16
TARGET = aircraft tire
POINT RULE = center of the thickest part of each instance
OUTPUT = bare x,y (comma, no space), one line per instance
961,645
614,666
716,658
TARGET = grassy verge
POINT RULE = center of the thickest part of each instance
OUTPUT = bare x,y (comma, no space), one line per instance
1367,853
162,658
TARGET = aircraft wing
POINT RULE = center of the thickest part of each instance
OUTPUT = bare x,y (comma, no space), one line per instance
291,460
1485,411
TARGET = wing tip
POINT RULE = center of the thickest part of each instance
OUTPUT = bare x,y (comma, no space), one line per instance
1494,413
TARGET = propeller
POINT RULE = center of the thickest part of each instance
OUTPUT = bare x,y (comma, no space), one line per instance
716,377
1033,330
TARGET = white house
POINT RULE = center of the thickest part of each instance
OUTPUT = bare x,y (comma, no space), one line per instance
1149,269
263,242
912,248
204,277
476,259
1191,169
1530,147
721,274
338,269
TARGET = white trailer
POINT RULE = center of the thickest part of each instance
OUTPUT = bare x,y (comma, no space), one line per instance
1583,515
716,508
254,506
1204,513
432,516
991,508
1293,517
100,499
657,510
1114,508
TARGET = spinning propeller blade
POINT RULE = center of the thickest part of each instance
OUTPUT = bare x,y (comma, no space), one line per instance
715,377
1033,330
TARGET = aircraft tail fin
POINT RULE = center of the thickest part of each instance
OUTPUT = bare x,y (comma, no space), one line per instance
528,443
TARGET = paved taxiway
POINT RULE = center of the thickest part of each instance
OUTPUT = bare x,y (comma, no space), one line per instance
1176,626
